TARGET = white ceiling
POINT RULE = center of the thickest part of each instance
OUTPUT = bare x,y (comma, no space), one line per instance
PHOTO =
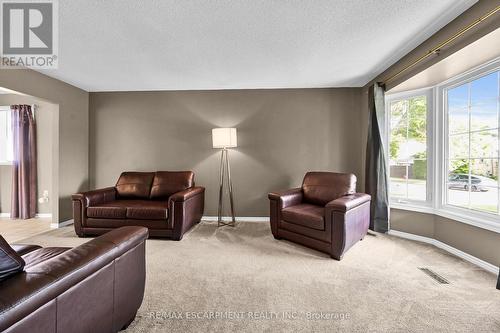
127,45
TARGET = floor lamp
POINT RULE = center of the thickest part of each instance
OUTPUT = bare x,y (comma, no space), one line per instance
225,138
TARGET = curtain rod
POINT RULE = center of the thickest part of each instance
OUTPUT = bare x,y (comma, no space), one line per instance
436,49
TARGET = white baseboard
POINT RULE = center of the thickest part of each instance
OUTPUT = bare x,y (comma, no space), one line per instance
60,225
450,249
238,218
40,216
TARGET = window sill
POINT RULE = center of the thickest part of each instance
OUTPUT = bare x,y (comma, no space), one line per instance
412,207
483,221
6,163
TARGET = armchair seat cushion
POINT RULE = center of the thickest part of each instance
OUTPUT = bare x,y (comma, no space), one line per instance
306,215
130,209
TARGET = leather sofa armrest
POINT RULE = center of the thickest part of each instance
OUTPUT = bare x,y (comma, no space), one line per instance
287,198
185,209
95,197
348,202
186,194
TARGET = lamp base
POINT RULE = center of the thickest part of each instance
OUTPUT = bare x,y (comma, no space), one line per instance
229,224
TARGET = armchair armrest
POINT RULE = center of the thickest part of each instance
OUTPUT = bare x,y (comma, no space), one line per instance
186,194
348,202
279,200
95,197
287,198
350,217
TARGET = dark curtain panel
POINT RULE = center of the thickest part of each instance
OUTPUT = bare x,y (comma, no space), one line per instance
376,173
24,165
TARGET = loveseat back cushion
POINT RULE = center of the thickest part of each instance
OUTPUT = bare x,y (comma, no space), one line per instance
135,185
320,188
10,261
166,183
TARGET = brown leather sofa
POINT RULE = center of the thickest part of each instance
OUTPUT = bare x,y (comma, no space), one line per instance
324,214
166,202
95,287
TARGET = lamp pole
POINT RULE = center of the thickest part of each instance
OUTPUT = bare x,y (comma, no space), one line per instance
225,169
498,282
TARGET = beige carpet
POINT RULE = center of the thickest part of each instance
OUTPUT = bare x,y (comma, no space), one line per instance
242,280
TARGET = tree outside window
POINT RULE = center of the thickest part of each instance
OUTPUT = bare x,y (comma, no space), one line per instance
408,148
473,133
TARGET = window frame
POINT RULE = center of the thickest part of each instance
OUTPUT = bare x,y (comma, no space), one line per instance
437,128
490,221
427,92
4,108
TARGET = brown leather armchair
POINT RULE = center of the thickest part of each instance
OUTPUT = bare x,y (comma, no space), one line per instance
166,202
324,214
95,287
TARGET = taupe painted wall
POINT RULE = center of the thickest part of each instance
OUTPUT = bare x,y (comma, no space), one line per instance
281,135
70,137
478,242
44,116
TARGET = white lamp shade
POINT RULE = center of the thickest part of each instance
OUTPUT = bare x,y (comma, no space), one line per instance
224,138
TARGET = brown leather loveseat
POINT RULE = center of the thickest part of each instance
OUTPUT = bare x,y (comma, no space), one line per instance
95,287
166,202
324,214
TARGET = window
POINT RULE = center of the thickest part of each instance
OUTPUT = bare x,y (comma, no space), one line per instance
408,153
443,148
472,113
6,145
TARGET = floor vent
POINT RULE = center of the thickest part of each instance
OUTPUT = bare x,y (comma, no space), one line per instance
434,275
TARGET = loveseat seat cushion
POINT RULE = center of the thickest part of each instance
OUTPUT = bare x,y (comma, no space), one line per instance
107,211
166,183
10,262
146,209
118,223
147,213
130,209
307,215
320,188
134,185
40,255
